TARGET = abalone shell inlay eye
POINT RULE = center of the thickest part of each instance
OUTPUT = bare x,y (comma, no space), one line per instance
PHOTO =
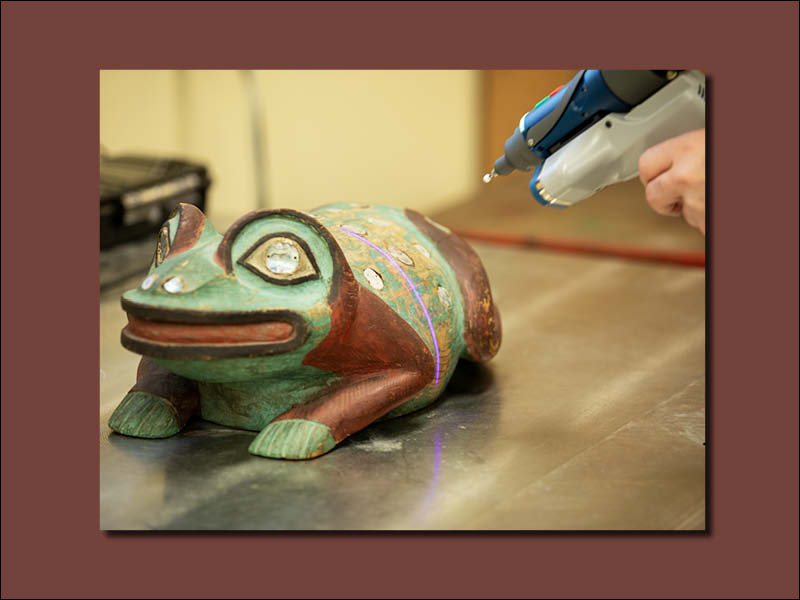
401,256
422,250
149,281
162,246
174,285
282,258
374,278
444,296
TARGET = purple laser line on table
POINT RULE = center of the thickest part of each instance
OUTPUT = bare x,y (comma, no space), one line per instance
411,285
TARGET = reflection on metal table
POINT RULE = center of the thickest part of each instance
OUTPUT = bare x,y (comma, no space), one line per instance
591,417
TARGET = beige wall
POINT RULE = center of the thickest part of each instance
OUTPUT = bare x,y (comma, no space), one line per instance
403,138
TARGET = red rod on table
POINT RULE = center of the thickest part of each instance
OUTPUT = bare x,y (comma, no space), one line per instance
678,257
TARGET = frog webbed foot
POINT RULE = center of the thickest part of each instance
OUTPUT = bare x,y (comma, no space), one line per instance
313,428
145,415
293,439
158,406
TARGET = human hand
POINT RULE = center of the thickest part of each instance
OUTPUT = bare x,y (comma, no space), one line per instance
674,175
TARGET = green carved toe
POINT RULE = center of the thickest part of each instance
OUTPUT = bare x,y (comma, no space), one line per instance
293,439
146,416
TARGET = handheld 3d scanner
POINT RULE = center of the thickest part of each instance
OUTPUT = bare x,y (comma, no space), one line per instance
590,132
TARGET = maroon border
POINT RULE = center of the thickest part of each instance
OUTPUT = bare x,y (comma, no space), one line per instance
51,52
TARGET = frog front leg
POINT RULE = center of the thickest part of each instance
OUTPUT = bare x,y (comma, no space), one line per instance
313,428
158,405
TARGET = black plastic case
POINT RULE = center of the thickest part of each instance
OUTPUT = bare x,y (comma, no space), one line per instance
138,193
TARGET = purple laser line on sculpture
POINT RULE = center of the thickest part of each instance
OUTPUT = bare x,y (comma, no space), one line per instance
413,289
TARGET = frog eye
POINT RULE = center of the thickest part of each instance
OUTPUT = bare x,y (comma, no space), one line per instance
281,258
162,245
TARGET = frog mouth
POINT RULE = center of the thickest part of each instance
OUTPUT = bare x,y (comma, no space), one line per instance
179,334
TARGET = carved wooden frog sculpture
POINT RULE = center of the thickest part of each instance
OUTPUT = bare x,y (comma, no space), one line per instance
303,327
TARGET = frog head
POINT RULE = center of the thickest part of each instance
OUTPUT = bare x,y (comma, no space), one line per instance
240,306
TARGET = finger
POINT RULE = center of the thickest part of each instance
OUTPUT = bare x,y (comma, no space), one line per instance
655,161
662,197
693,218
695,214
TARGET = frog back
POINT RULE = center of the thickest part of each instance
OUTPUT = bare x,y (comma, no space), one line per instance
423,273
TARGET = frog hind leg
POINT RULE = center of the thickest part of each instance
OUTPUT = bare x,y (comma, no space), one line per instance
482,327
383,363
157,406
313,428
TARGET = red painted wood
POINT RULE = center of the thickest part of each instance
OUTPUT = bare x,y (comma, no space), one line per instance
207,334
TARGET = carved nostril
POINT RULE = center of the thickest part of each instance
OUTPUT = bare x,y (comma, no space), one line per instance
149,281
174,285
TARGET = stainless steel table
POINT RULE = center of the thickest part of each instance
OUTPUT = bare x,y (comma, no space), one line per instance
590,417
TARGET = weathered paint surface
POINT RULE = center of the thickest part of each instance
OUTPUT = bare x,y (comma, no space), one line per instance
385,307
390,230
